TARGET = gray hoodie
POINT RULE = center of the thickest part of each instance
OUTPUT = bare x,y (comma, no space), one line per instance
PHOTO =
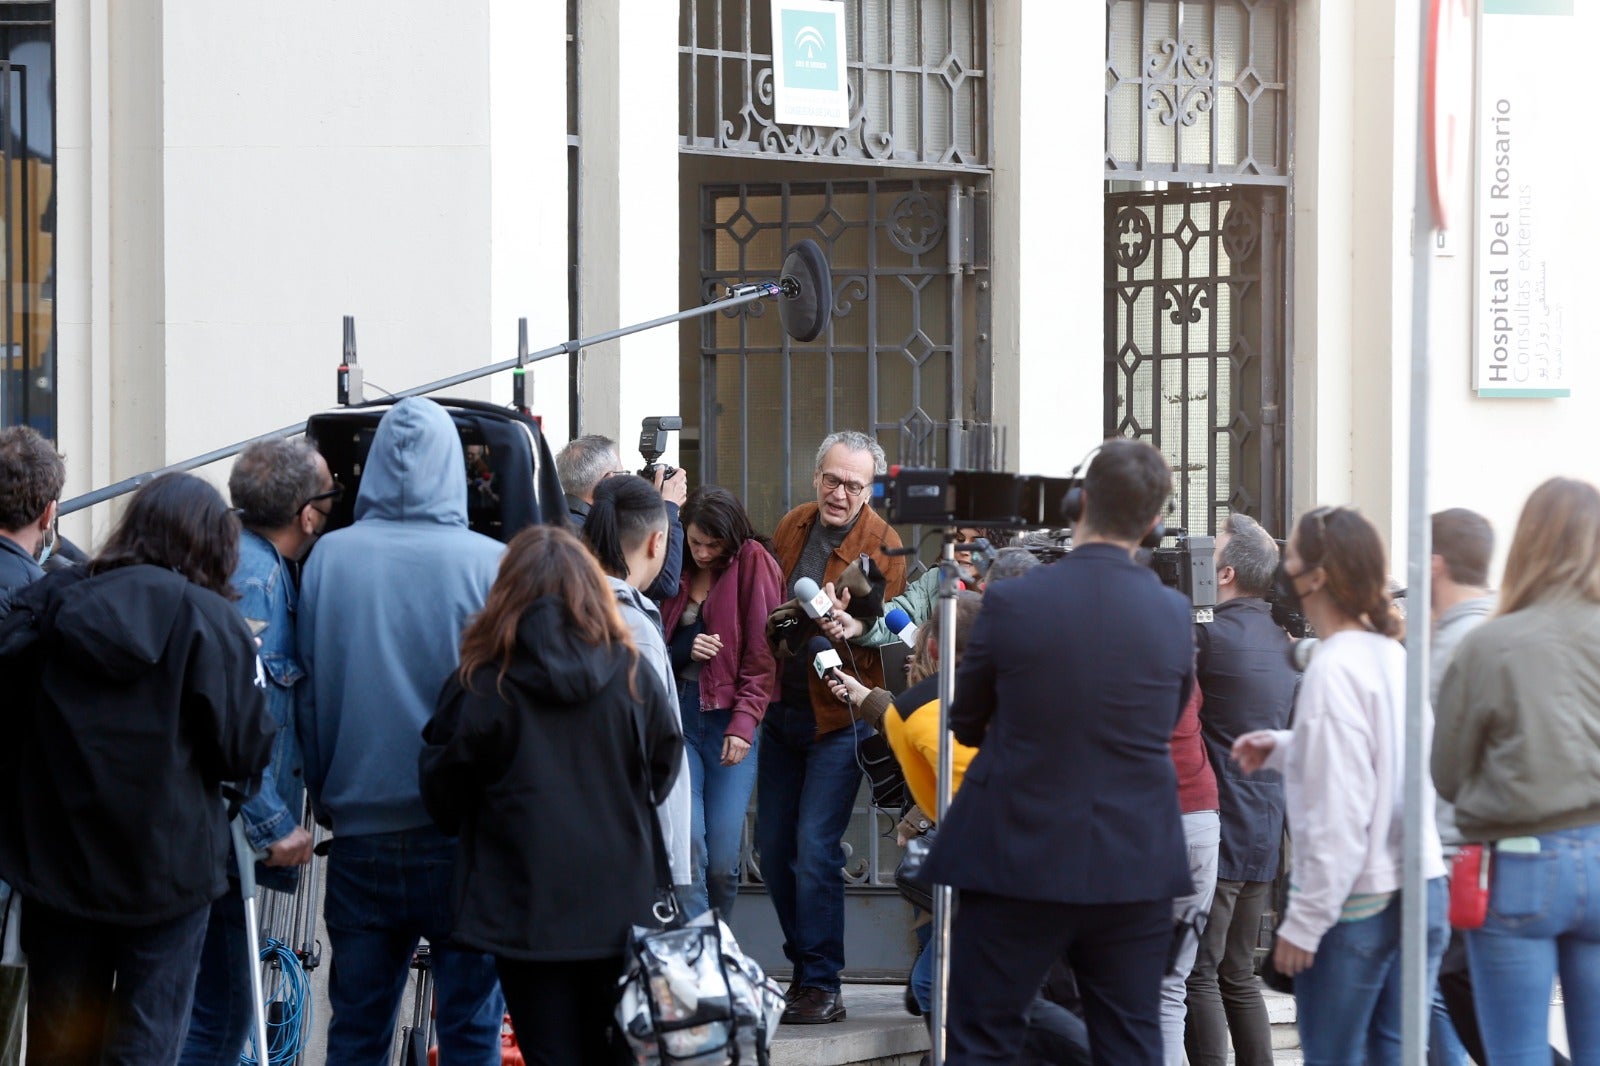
643,619
383,603
1453,624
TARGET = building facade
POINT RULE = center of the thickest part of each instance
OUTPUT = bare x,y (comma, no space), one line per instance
1188,220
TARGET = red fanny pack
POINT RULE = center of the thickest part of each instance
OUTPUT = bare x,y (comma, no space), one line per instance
1469,886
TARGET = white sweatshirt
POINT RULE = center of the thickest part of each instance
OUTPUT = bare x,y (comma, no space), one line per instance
1343,766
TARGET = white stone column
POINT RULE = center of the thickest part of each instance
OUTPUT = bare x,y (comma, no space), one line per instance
528,198
629,220
1047,270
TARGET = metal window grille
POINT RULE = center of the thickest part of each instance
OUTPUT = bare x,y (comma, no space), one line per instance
1198,90
918,74
1194,350
899,357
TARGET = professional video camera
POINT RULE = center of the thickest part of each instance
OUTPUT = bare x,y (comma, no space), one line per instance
1189,566
653,441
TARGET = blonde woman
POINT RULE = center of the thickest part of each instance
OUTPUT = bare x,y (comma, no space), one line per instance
1518,752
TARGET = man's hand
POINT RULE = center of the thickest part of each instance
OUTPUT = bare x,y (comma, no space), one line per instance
734,749
705,646
1251,750
839,626
674,489
292,850
1291,960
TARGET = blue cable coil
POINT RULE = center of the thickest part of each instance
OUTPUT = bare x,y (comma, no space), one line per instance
289,1025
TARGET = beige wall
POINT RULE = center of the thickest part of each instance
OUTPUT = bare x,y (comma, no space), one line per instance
234,181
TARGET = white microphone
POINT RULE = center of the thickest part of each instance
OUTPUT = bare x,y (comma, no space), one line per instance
900,623
816,603
824,660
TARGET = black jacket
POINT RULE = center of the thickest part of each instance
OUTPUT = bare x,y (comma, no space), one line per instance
131,696
1242,661
1071,685
546,786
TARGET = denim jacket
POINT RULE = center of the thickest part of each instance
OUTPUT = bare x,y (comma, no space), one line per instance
267,598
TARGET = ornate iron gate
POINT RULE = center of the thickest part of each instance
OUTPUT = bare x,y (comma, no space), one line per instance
1194,343
905,355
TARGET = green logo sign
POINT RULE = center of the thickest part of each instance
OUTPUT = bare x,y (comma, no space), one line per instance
809,50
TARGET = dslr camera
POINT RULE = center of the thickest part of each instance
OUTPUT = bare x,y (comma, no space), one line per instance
653,441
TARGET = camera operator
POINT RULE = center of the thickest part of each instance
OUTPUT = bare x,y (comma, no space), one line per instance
587,461
1066,837
1242,663
383,603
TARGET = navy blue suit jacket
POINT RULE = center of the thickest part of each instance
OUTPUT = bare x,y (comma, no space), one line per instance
1071,685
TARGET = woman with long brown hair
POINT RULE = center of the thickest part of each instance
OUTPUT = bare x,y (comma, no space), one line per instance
1343,769
1518,753
546,755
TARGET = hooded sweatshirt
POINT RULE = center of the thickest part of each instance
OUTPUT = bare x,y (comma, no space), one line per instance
643,620
130,696
383,603
548,777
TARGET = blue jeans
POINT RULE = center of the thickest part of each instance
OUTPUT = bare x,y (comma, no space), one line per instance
220,1022
1444,1046
1544,916
719,798
103,993
922,969
808,786
385,891
1348,1001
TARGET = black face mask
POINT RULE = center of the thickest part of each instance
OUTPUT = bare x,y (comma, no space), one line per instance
1285,597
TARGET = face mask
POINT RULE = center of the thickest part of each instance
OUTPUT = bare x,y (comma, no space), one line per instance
47,546
1285,597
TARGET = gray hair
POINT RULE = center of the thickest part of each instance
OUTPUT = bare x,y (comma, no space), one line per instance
855,441
585,462
271,480
1009,563
1252,553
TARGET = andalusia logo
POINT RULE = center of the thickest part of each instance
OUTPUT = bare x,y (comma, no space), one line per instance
810,51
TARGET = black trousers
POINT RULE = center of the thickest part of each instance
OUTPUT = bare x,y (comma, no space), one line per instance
1001,949
561,1011
1225,1004
108,995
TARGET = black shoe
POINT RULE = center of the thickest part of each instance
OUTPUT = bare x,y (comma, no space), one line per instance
814,1006
792,991
912,1007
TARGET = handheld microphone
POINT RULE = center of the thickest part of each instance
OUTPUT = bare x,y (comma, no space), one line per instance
812,599
900,623
824,660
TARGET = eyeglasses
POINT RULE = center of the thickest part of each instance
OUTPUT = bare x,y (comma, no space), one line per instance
617,473
334,494
831,484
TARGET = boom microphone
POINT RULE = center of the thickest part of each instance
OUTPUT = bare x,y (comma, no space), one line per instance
815,602
900,623
824,660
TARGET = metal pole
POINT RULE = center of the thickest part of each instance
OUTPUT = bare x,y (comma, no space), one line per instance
246,857
948,586
759,291
1416,996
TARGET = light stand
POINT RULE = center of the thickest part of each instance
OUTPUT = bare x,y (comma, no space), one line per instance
949,585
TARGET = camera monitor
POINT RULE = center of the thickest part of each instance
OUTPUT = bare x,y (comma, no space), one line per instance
505,462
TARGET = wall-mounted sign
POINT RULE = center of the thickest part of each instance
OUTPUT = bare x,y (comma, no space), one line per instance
1524,256
809,79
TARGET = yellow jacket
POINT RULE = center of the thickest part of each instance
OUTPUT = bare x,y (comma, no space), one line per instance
912,726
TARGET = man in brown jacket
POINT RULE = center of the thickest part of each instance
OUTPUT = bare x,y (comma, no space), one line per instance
807,772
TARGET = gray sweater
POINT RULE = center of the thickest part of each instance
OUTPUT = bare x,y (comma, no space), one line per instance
1517,743
1454,624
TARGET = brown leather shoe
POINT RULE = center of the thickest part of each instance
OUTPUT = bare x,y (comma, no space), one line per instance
814,1006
